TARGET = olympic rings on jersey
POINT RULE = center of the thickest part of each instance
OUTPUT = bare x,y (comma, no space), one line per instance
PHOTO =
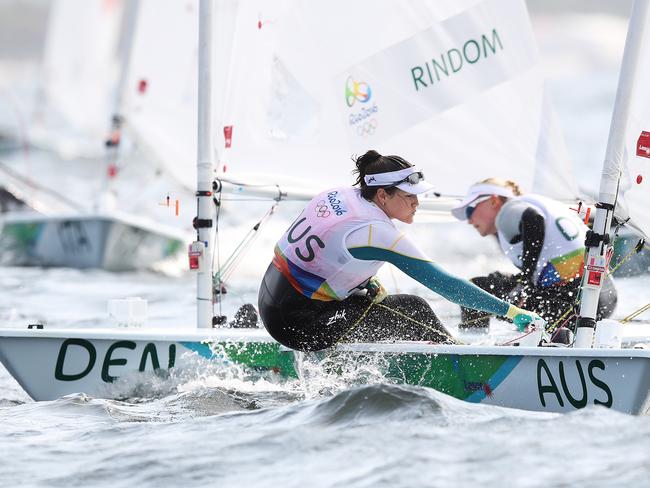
367,128
322,210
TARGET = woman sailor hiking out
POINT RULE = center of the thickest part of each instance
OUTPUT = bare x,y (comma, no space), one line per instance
311,295
543,238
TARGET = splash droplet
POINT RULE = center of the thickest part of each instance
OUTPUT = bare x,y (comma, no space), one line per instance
639,179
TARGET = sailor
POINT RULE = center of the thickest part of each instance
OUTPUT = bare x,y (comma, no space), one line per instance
543,238
321,287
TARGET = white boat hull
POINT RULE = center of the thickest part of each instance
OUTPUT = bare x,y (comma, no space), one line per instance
101,241
52,363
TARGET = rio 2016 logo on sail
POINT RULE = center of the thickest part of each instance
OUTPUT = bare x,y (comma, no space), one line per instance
361,118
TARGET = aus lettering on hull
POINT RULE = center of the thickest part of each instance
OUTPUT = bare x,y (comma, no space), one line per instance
548,388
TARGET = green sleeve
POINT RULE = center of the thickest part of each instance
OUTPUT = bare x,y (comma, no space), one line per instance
452,288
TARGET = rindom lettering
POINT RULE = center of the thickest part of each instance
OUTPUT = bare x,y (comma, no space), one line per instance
452,61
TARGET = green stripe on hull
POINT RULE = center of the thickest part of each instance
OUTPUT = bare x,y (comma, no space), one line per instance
265,356
469,378
466,377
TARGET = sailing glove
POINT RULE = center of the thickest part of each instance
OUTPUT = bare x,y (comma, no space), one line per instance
376,291
523,318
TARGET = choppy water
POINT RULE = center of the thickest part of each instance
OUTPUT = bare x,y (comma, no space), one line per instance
221,427
378,435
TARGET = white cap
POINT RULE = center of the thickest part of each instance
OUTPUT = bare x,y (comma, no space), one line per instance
391,177
477,191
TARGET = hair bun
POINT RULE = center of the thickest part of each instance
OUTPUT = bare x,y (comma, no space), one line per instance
368,158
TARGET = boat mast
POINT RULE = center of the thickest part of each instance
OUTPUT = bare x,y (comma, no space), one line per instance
598,240
205,163
129,23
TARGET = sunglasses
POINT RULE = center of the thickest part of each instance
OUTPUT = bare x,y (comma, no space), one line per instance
469,210
412,179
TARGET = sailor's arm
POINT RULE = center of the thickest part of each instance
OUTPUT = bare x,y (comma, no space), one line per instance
402,253
436,279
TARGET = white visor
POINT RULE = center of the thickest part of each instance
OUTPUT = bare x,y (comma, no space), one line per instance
477,191
399,179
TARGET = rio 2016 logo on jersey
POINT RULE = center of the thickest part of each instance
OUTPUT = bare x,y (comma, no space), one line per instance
335,204
361,118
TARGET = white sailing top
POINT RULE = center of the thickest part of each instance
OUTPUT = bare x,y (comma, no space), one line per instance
562,253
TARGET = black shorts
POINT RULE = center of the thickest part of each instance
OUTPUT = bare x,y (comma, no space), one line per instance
304,324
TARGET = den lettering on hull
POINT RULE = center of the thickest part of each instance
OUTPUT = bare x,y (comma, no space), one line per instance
78,358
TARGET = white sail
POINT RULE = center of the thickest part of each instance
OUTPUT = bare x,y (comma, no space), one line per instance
161,89
613,188
632,157
287,113
80,66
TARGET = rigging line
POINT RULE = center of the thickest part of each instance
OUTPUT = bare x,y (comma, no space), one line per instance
472,321
237,199
223,268
236,256
518,338
355,325
14,174
332,349
252,233
563,318
636,313
217,253
22,123
261,199
426,326
559,321
396,312
625,258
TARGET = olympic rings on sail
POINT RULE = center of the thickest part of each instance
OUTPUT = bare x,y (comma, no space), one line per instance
367,128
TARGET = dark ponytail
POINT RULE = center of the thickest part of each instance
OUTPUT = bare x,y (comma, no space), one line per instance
373,163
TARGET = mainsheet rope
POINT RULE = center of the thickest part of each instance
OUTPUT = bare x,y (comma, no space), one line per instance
400,314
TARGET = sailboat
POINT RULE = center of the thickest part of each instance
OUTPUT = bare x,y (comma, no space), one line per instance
59,229
49,363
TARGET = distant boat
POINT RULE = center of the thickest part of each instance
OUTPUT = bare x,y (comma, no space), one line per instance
85,76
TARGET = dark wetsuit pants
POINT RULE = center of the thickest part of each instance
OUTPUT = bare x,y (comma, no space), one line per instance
304,324
551,303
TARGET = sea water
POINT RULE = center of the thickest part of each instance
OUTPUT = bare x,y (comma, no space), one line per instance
224,428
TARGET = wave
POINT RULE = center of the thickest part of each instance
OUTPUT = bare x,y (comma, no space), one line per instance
377,404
